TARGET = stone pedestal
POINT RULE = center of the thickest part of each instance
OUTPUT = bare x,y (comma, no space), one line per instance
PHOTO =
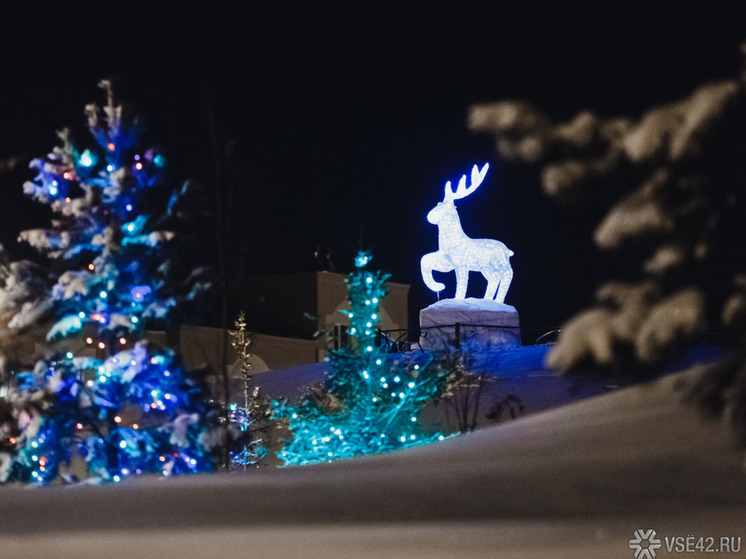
469,323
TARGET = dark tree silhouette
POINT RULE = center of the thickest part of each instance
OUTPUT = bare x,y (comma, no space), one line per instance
685,171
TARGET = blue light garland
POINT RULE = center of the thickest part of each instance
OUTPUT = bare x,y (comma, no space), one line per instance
132,408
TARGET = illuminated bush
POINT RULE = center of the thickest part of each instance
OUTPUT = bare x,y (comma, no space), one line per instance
372,401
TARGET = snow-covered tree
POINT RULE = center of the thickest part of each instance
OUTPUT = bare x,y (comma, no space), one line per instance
371,402
685,208
24,306
102,391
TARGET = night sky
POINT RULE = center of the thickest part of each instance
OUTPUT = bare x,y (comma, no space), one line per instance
355,116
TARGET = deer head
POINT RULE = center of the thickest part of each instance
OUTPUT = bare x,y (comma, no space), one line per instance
447,206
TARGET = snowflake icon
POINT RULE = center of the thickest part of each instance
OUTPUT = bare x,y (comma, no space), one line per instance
644,544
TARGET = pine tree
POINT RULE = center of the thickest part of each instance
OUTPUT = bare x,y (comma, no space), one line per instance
684,168
103,392
371,402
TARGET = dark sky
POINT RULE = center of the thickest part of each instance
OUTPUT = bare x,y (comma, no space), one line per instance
350,115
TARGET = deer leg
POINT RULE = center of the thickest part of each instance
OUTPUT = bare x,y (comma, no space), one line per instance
507,277
493,281
434,261
462,280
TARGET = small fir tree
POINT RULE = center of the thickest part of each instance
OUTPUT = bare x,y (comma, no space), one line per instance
103,392
248,423
371,401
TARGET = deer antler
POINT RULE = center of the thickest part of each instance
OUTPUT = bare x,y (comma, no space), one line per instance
462,191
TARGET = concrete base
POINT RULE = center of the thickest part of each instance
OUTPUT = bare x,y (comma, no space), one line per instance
481,324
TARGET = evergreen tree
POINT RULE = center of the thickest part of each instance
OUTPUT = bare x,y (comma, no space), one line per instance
371,402
684,166
120,402
249,423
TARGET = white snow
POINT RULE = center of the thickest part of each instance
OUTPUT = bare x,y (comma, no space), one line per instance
470,304
572,482
31,312
66,326
496,323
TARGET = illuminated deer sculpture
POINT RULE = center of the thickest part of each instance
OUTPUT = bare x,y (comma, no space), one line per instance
458,252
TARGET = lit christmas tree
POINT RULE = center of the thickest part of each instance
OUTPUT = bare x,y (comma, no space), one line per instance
125,406
372,402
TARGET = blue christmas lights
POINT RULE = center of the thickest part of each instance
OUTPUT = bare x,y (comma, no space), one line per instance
132,408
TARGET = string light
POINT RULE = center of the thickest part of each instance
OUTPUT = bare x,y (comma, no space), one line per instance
139,292
373,411
86,159
79,395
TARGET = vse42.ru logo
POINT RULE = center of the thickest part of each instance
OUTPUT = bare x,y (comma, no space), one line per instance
645,544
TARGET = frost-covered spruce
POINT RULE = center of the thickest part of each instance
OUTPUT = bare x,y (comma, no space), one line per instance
684,166
102,393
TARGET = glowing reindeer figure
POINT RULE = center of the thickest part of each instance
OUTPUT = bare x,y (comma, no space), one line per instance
458,252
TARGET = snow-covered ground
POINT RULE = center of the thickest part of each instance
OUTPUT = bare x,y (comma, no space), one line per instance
573,481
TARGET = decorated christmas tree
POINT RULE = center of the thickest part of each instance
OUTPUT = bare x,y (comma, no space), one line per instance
372,401
102,392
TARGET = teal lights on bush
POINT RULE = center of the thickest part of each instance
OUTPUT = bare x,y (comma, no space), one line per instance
372,401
